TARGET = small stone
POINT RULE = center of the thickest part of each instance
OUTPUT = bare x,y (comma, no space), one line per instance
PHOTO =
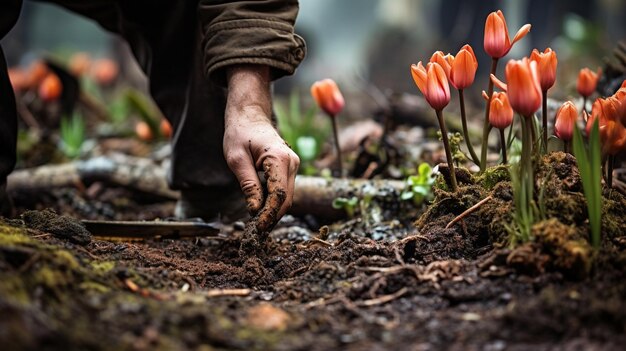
266,317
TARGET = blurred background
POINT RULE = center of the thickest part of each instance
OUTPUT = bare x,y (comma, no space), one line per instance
80,93
368,40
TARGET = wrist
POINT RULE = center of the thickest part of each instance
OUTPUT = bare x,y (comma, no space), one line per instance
249,95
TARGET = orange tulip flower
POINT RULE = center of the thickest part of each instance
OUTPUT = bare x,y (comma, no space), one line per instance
620,95
50,88
445,61
546,66
18,78
496,41
80,63
587,81
500,112
328,97
463,68
433,83
523,88
105,71
566,118
612,131
37,72
143,131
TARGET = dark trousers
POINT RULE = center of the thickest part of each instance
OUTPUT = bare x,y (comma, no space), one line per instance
166,41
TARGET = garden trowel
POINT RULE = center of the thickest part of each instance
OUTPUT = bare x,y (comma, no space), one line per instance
151,229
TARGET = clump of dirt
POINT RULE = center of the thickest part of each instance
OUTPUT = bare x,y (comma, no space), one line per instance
63,227
556,247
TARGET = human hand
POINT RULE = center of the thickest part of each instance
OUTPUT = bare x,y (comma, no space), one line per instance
251,144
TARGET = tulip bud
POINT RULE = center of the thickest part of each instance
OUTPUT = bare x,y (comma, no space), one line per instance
18,78
433,83
165,128
565,122
523,86
143,131
50,88
463,68
500,111
546,66
80,63
37,71
328,97
496,41
445,61
105,71
587,81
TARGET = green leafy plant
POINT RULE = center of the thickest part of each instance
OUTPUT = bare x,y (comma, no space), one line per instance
72,135
348,204
419,187
300,130
590,167
143,106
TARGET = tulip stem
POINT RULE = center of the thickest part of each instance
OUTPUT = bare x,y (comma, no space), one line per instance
544,116
446,146
609,171
584,109
486,125
503,146
337,148
468,142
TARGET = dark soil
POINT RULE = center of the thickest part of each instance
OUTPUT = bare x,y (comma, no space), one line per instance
459,288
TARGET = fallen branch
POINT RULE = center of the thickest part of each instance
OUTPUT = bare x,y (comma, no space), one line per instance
313,195
137,173
228,292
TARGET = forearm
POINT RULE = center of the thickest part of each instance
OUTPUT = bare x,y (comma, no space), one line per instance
249,97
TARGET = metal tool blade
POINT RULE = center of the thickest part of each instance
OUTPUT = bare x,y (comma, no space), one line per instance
150,229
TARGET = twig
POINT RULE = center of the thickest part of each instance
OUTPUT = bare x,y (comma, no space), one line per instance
415,236
468,211
382,299
324,242
227,292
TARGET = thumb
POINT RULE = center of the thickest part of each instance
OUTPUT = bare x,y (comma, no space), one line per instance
243,168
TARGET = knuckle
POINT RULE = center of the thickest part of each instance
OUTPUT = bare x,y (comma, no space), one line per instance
249,187
234,159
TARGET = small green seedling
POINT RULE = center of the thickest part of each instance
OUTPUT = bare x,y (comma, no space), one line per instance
347,204
419,186
72,135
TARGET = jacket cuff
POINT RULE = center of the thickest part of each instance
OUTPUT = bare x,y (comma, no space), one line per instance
251,41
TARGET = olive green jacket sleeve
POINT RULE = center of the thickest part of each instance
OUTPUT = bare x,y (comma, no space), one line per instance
250,32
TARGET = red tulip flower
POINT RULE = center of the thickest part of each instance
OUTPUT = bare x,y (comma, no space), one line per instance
565,123
546,66
463,68
501,112
328,96
497,43
433,83
523,88
587,81
50,88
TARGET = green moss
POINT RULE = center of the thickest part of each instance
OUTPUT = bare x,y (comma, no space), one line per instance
11,236
12,288
492,176
94,287
102,267
51,278
569,253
